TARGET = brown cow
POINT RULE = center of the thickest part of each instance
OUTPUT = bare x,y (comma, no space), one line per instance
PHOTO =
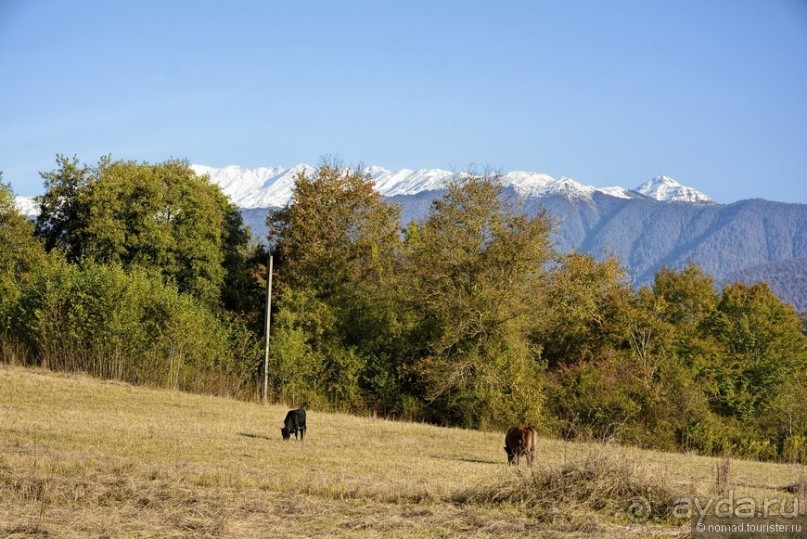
520,441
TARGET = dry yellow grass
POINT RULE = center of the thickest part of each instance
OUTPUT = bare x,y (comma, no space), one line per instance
85,458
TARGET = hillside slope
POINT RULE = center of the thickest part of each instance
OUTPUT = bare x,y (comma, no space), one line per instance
787,278
86,458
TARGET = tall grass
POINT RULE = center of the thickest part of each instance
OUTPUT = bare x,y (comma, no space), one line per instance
569,494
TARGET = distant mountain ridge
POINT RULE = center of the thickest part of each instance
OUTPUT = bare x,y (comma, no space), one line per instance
787,278
272,186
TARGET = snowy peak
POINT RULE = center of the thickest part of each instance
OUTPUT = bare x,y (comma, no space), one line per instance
272,186
28,206
666,189
408,182
255,188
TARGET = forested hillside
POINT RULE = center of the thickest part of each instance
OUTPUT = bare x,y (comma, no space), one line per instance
472,317
721,239
787,279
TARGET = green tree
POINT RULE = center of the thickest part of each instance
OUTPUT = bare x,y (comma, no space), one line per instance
474,270
244,263
160,217
585,312
20,252
690,296
338,246
294,368
61,216
615,371
606,354
763,347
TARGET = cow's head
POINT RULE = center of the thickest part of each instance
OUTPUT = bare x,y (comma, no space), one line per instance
510,454
286,433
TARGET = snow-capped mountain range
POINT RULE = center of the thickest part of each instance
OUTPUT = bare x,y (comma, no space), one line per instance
272,186
267,187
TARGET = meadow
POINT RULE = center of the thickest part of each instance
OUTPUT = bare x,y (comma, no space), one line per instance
81,457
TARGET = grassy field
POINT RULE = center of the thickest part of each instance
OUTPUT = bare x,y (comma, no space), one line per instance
86,458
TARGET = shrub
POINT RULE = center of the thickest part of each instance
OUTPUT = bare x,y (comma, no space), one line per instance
130,326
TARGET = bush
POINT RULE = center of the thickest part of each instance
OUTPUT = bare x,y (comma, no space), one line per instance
129,326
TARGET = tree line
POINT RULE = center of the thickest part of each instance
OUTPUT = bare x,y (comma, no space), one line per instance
469,317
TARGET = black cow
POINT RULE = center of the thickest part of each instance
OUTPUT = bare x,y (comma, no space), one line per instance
294,423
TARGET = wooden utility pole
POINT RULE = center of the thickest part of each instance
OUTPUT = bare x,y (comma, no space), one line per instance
265,394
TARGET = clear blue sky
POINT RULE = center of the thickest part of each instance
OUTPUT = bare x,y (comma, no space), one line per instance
712,93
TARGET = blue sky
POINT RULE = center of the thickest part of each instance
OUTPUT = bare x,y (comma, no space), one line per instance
712,93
